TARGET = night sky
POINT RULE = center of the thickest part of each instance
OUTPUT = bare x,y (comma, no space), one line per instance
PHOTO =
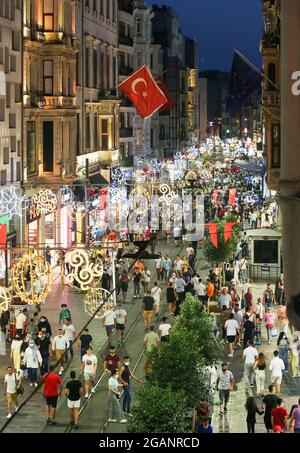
220,26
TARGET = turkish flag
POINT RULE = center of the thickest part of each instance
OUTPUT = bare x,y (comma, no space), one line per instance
213,231
170,104
3,234
228,231
143,92
232,197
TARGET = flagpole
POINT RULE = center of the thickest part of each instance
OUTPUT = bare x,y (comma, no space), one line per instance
245,59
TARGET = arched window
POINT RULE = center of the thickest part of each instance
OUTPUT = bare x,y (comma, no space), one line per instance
162,132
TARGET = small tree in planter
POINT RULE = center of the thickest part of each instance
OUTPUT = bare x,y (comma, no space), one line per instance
159,410
225,251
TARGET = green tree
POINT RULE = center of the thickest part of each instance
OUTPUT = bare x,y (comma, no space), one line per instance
159,410
224,252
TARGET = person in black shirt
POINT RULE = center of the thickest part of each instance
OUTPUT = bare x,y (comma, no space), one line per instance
125,375
43,342
45,323
252,410
171,299
85,341
269,402
74,392
147,308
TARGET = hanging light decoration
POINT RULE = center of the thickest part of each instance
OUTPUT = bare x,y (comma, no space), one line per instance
95,298
66,195
11,204
39,269
139,199
155,165
83,272
75,209
168,196
45,201
118,176
140,176
5,298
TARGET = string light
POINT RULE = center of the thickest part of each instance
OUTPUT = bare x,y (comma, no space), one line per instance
83,271
94,299
11,204
45,201
5,298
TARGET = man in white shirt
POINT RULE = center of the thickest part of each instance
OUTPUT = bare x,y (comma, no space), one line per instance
70,333
232,330
276,367
250,355
21,319
109,321
177,235
156,294
89,368
158,267
121,316
11,384
164,330
238,316
59,345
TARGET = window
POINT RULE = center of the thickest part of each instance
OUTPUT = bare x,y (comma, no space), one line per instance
107,9
272,77
12,121
1,55
12,167
16,40
31,148
48,15
13,63
95,5
95,66
7,95
2,109
5,156
19,148
113,11
87,132
13,144
101,7
96,132
6,63
18,91
276,144
104,134
139,27
18,169
162,132
6,11
48,77
3,177
87,67
48,141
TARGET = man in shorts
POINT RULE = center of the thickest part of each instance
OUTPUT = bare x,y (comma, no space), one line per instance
73,392
111,361
52,390
148,309
89,368
225,384
121,316
270,402
232,330
11,384
109,320
276,367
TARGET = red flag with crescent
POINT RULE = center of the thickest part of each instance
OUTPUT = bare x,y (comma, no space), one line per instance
213,232
170,104
232,197
143,92
228,231
3,234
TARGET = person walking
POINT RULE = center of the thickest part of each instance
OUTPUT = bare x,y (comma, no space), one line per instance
252,410
260,374
32,360
59,345
125,375
136,284
232,331
115,412
88,369
84,342
64,314
70,333
249,330
276,367
121,316
171,299
164,330
151,340
15,352
270,324
74,392
158,267
269,403
268,299
294,348
21,320
11,385
124,279
283,344
180,285
225,384
148,309
109,321
167,267
156,293
250,356
43,342
111,361
279,417
295,419
51,392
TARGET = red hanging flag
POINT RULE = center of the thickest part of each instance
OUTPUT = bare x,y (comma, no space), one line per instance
170,104
3,234
228,231
213,231
144,93
232,197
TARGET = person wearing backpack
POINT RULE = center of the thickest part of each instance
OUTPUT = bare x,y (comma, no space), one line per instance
64,314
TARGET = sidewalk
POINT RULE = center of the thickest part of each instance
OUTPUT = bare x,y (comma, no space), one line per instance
235,420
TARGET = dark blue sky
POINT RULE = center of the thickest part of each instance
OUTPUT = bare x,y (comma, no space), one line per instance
220,26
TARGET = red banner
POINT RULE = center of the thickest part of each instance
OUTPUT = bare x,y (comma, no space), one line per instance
3,234
170,104
213,231
228,231
232,197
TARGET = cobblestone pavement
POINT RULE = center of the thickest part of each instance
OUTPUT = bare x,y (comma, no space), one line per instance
235,420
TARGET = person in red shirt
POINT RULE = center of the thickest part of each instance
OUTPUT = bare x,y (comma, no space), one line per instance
52,390
112,361
279,416
112,236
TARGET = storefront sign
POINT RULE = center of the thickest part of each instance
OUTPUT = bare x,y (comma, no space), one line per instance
265,268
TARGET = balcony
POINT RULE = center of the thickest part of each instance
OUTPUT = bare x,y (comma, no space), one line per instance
126,40
125,70
126,132
36,99
272,100
270,40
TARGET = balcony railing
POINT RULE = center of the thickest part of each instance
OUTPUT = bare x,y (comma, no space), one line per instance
125,70
126,132
272,100
125,40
